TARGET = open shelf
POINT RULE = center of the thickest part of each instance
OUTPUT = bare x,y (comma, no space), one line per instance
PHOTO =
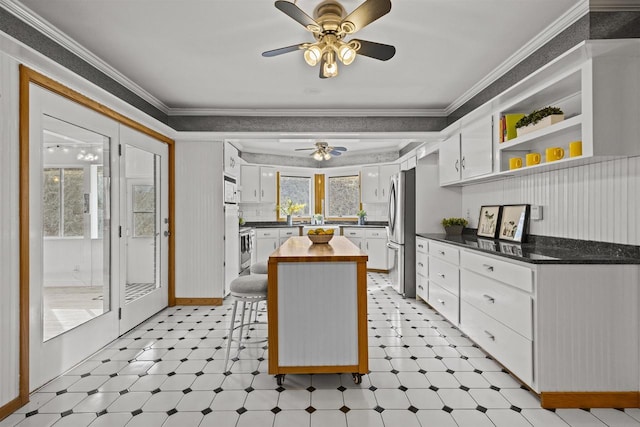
527,141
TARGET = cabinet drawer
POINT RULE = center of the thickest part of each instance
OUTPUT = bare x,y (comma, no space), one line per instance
504,271
444,274
422,264
266,232
422,245
375,233
289,232
353,232
506,304
422,287
444,301
445,252
508,347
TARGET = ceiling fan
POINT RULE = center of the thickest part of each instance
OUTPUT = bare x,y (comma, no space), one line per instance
323,151
330,25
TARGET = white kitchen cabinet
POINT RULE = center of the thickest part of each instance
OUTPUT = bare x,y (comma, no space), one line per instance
258,184
231,160
374,182
467,154
422,268
267,241
373,241
285,233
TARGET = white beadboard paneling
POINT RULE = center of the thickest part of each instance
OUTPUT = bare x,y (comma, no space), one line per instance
317,314
599,201
199,220
9,244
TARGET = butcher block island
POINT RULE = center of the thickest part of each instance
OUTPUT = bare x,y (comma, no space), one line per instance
317,304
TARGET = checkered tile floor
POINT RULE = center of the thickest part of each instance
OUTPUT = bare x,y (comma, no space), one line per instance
169,372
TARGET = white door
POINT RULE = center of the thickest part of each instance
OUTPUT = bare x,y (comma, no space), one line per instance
73,192
369,184
386,172
449,160
476,148
145,233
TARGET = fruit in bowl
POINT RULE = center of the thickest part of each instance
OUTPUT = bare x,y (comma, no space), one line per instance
320,235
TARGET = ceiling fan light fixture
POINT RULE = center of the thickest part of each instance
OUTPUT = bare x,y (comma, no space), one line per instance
346,53
330,66
312,55
318,156
326,156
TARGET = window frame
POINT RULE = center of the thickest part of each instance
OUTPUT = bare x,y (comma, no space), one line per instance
61,208
312,189
342,174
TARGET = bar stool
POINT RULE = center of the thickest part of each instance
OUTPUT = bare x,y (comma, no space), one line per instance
247,290
259,268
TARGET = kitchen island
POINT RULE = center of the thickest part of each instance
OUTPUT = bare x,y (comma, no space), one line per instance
317,305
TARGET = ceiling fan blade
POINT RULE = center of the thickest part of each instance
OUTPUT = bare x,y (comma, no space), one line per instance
298,15
280,51
303,149
374,50
365,14
340,148
335,153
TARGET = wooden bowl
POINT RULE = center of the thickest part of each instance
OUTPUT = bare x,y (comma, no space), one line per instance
320,238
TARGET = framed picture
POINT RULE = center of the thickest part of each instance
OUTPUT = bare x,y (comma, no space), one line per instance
487,245
514,223
489,221
511,249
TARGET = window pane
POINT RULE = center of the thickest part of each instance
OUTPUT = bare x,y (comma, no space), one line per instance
51,202
73,208
144,224
144,198
298,189
344,196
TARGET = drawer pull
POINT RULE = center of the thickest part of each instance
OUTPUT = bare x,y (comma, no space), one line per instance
490,299
420,287
488,267
441,252
441,275
421,264
490,335
441,301
421,246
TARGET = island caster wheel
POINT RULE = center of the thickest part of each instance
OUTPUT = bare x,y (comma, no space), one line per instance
357,378
279,379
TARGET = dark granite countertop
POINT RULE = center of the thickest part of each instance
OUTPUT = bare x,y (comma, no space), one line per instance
546,250
280,224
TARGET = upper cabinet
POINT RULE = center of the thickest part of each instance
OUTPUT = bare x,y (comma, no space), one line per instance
467,154
258,184
374,182
231,160
596,86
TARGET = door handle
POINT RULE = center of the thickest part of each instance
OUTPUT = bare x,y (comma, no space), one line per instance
456,165
167,233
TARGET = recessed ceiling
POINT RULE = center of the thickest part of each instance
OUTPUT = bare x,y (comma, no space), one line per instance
196,55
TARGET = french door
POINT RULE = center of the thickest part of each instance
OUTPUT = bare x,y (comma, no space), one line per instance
145,230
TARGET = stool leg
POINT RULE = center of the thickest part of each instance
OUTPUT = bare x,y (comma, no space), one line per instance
244,306
251,304
230,334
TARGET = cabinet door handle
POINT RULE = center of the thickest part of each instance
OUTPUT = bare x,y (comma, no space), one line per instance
375,192
441,252
456,165
488,267
262,193
463,162
421,264
383,192
441,301
421,247
441,275
367,245
490,335
255,193
419,286
489,298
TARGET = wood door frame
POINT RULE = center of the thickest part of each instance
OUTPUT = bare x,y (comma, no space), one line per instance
28,76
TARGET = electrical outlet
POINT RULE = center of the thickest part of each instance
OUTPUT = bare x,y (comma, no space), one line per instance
536,212
76,268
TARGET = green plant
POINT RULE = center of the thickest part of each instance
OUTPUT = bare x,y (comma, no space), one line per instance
289,208
361,213
447,222
537,115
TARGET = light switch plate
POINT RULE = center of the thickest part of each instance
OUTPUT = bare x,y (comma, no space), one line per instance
536,212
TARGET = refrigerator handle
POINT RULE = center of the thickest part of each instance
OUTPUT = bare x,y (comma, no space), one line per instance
393,246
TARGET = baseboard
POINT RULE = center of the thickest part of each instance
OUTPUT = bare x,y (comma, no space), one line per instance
377,270
198,301
10,407
590,399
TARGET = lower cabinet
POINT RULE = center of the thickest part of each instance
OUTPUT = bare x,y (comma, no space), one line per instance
422,269
267,241
373,241
568,331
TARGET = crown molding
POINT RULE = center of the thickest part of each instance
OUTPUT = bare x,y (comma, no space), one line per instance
28,16
614,5
307,112
546,35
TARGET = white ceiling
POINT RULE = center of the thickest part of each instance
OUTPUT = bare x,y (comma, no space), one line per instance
203,56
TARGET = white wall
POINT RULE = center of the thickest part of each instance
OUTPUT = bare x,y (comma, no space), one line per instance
599,202
432,201
9,243
199,222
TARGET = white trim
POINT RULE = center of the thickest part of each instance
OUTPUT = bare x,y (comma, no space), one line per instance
31,18
556,27
614,6
274,112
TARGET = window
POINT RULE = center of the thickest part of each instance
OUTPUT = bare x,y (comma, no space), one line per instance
298,189
144,211
343,198
63,202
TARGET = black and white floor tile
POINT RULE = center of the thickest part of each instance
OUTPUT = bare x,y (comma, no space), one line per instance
169,372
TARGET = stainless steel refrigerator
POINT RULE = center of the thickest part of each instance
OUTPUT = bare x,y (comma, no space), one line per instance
402,232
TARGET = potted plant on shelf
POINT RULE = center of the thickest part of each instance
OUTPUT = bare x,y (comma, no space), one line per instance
289,208
539,119
361,216
454,226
